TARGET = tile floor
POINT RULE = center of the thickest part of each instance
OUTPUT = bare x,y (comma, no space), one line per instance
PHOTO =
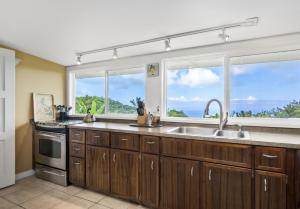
34,193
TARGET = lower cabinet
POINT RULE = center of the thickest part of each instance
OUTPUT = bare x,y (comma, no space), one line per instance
150,180
77,171
97,169
270,190
226,187
124,169
179,184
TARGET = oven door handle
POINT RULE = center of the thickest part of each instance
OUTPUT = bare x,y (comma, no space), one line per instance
47,135
52,173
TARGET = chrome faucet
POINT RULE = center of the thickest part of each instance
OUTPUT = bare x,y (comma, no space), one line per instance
223,122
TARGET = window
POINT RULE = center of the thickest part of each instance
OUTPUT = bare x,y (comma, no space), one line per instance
90,93
191,83
122,87
265,86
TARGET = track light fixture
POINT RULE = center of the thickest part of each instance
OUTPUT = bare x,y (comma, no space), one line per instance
225,37
253,21
115,54
78,59
167,45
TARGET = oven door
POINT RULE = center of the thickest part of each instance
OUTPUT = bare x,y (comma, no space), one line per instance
50,149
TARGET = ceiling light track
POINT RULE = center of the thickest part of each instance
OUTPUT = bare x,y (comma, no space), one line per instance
248,22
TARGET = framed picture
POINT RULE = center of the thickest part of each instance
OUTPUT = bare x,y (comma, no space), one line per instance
43,107
153,70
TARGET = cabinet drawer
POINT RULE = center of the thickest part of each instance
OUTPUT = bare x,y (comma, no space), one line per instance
230,154
77,150
77,136
77,171
125,141
97,138
176,147
270,159
150,144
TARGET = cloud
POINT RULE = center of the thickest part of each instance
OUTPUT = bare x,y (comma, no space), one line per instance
249,98
242,69
184,99
196,77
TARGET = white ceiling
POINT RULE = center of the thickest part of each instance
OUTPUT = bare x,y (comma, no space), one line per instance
56,29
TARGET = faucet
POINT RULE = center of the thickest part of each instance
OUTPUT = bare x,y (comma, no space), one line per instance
222,121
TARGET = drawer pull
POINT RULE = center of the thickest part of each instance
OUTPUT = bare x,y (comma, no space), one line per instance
209,175
265,183
124,139
114,158
270,156
97,137
152,165
77,149
104,154
76,163
192,171
150,142
77,134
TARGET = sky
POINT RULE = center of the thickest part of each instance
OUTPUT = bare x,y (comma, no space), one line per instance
261,86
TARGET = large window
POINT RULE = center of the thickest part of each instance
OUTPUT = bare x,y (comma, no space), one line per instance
116,96
265,86
191,84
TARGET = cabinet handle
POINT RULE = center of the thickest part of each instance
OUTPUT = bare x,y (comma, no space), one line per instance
97,137
192,171
124,139
77,149
209,174
150,142
265,183
269,156
104,154
152,165
76,134
76,163
114,158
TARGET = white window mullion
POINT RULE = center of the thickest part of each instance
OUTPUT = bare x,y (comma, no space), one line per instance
226,105
106,101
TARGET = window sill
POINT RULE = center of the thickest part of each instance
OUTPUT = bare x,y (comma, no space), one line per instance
109,116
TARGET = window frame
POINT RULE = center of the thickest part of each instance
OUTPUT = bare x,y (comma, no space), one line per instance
72,86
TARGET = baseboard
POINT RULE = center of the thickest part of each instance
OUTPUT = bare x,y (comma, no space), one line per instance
24,174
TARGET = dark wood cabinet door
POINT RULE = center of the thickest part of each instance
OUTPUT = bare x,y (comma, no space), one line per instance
124,174
97,169
270,190
179,184
150,180
225,187
77,171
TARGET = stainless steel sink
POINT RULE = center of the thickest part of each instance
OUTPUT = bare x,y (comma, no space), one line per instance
198,131
232,134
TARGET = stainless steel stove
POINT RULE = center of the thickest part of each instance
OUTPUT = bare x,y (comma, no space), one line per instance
51,150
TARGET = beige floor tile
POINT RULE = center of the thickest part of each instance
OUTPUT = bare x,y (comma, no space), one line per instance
20,196
46,201
4,204
114,203
17,207
74,203
70,190
99,207
91,196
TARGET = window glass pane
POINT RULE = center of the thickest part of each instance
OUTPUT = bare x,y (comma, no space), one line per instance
189,89
90,95
125,86
265,89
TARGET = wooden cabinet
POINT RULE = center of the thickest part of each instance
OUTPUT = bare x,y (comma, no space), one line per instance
225,187
97,169
124,174
77,171
270,190
77,150
179,184
150,144
77,136
150,180
125,141
97,138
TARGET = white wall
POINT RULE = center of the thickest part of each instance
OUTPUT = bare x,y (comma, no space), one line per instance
154,86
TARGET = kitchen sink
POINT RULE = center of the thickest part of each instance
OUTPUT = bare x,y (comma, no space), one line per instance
232,134
198,131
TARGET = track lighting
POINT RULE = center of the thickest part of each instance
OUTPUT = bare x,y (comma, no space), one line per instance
115,54
225,37
167,45
78,59
253,21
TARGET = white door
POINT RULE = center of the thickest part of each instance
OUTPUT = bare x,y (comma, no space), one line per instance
7,117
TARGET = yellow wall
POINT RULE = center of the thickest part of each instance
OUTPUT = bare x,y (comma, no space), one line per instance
37,75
